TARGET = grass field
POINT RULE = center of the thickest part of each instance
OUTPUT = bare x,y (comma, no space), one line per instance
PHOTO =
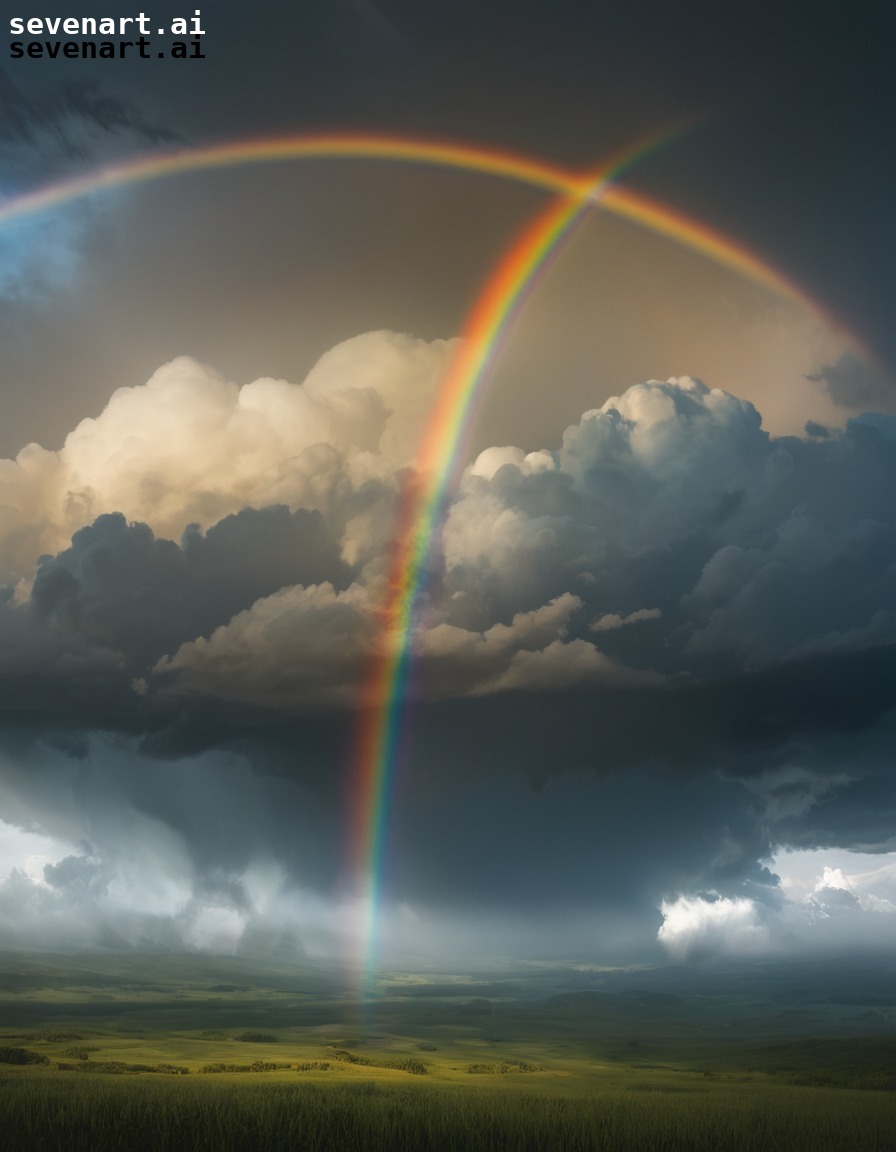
197,1053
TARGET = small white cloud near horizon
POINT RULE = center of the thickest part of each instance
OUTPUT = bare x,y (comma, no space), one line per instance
826,901
28,851
811,874
694,926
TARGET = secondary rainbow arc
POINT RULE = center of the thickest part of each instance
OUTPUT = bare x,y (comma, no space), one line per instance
646,211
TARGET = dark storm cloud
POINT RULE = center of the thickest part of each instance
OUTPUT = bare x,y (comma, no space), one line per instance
672,615
673,500
45,136
69,122
49,132
200,852
105,610
852,383
120,588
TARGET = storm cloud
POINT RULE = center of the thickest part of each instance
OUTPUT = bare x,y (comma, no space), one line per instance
852,383
670,613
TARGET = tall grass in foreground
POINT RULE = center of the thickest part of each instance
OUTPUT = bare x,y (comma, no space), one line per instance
105,1114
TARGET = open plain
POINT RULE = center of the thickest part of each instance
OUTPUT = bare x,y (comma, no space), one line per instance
172,1052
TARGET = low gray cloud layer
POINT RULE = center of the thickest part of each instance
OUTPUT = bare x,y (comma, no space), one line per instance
649,656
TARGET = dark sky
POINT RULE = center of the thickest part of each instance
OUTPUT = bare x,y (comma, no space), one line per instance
654,692
798,98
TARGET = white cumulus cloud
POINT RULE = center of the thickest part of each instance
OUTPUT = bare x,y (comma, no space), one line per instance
191,447
696,926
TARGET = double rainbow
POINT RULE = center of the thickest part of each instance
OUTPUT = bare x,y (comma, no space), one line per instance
423,501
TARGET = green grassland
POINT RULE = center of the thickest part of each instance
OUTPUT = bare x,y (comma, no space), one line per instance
134,1052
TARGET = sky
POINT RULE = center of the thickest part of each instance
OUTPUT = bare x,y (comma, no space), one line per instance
650,716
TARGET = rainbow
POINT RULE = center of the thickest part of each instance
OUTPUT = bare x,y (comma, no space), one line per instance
645,211
421,507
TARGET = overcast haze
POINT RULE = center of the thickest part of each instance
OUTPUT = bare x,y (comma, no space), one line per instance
652,713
